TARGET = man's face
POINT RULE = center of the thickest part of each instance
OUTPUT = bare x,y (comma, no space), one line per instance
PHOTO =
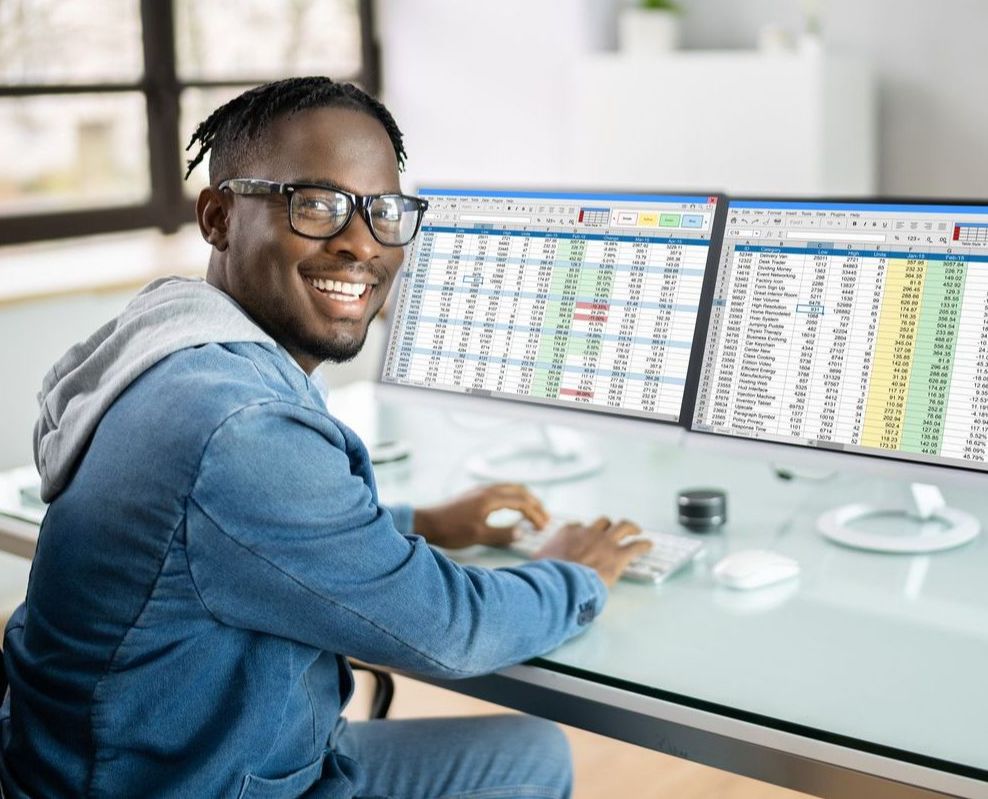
274,272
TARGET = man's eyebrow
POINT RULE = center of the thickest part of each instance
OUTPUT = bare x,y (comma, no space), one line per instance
334,184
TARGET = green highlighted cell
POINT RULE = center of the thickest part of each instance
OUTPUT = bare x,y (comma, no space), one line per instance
574,250
546,383
933,358
595,283
564,281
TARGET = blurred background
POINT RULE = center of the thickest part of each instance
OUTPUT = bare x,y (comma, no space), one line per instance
801,97
99,97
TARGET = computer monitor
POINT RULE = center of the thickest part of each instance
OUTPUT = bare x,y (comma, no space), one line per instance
561,298
585,300
855,327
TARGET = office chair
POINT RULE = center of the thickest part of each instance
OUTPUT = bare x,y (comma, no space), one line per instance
384,690
3,691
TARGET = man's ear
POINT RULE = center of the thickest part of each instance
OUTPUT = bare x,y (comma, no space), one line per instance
211,214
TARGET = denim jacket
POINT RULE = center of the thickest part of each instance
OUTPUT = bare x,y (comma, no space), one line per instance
198,583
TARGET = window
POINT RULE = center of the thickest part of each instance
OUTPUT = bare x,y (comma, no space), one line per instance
99,98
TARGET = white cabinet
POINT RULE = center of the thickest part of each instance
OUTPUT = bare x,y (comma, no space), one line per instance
788,123
515,94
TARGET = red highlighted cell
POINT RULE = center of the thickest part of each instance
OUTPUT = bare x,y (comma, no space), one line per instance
593,306
575,392
586,317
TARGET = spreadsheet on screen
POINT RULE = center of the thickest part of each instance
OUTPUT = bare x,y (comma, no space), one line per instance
859,327
572,299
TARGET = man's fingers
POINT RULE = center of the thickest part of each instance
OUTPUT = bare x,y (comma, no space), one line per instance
571,527
499,536
635,549
510,487
536,514
623,529
534,510
519,498
599,525
499,492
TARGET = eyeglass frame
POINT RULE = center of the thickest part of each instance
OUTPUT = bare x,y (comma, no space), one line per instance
361,201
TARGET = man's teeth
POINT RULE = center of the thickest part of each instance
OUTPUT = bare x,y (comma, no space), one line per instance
349,291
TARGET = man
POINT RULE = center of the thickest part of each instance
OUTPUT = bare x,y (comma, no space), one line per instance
215,547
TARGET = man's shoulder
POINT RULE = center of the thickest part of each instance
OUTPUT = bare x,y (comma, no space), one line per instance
156,432
235,370
201,386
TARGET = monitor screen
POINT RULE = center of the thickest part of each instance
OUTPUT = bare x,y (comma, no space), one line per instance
851,326
569,299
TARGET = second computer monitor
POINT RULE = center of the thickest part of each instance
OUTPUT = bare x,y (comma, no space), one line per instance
860,327
585,300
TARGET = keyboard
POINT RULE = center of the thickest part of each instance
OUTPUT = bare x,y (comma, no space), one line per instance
669,552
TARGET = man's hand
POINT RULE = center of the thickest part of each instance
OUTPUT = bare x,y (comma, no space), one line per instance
600,545
462,521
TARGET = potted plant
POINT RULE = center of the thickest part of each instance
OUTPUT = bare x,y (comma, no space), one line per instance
649,27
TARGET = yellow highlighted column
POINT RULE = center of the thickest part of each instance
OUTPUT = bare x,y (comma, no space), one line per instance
894,349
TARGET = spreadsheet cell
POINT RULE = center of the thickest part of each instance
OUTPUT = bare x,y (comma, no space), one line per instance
594,315
881,348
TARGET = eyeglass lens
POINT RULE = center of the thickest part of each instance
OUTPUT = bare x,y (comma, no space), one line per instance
322,213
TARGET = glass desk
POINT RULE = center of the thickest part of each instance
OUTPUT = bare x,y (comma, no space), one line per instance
867,677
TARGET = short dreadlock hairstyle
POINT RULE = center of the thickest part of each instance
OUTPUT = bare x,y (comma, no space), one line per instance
233,133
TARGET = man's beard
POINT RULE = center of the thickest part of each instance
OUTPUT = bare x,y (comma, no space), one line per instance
343,346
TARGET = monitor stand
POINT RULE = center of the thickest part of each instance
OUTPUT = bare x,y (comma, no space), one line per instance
559,454
931,526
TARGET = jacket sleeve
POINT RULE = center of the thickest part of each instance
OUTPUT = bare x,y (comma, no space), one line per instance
284,536
403,516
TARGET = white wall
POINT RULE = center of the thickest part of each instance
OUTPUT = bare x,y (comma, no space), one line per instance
34,335
476,85
932,64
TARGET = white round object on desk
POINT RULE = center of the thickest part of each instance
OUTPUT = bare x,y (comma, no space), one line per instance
754,568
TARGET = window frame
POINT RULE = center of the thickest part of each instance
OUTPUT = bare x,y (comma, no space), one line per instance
167,208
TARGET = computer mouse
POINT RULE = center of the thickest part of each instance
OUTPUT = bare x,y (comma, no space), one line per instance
754,568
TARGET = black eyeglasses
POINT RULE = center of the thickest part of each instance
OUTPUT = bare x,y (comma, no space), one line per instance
317,211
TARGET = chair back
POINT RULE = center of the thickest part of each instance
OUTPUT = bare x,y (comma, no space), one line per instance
3,695
384,690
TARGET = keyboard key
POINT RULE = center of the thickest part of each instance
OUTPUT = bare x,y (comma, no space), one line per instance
669,552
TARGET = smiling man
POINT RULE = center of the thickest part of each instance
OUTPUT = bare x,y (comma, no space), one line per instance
312,284
215,547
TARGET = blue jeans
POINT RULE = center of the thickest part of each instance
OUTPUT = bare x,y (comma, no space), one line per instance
485,757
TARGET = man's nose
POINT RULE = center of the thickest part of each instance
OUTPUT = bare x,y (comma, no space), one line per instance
356,240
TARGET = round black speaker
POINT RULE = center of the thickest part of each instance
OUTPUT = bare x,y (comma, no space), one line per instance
702,509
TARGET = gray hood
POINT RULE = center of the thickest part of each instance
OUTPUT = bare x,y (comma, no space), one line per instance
168,315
